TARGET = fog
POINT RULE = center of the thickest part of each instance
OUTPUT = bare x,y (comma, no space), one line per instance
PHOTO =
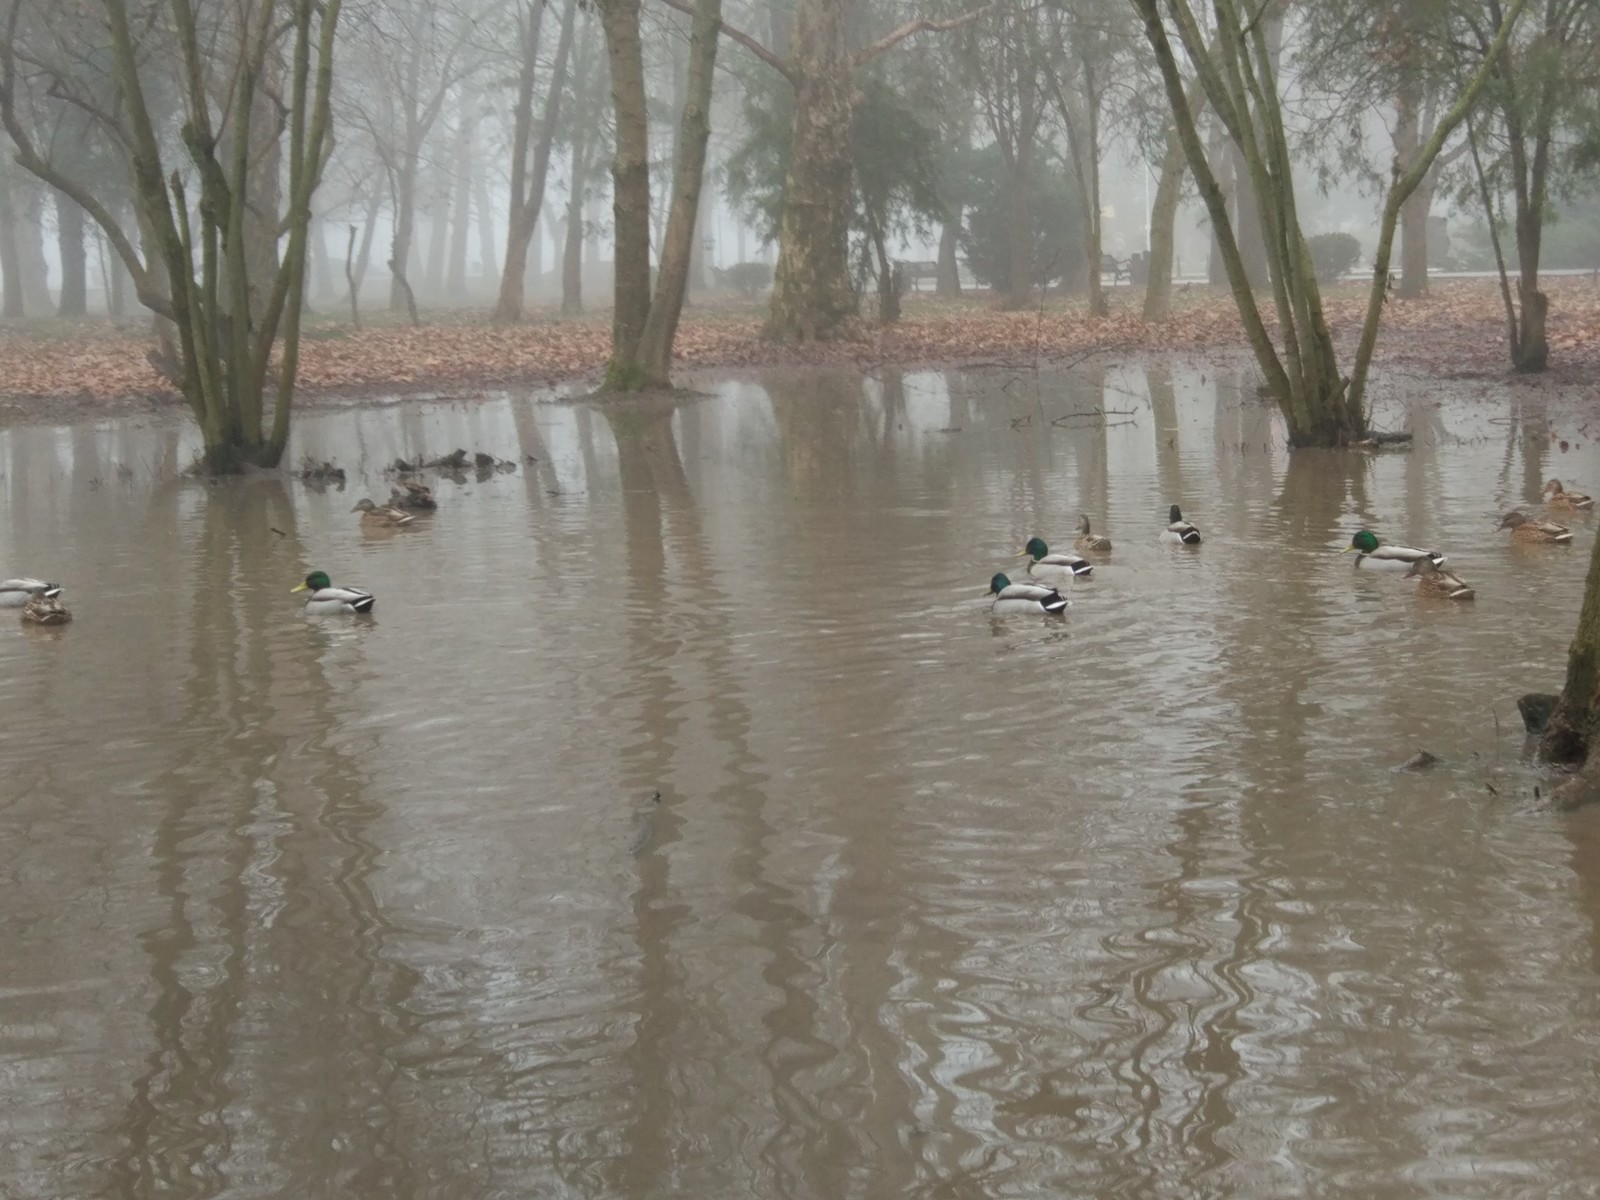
425,126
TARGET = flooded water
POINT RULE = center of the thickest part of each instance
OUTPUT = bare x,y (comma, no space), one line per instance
930,903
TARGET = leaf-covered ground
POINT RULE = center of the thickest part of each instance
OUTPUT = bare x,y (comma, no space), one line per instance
1458,330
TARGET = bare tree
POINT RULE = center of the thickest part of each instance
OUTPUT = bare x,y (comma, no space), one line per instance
229,63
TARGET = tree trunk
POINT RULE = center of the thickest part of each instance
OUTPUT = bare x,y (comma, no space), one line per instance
405,213
947,284
1247,224
321,279
438,232
1163,231
1572,726
1414,213
572,245
74,300
812,293
1532,352
461,201
1019,233
486,239
12,306
630,191
523,215
1221,162
677,242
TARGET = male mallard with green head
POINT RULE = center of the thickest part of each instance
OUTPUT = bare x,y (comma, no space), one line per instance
1024,597
325,598
1524,529
1374,553
1060,567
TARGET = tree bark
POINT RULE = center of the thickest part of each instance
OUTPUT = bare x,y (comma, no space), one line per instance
1019,233
74,297
1414,213
677,243
812,293
455,286
1572,726
12,304
1163,231
947,284
572,242
630,191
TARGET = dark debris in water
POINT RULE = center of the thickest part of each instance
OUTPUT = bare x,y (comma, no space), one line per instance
1420,761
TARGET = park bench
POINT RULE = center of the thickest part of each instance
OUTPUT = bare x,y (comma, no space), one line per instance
909,275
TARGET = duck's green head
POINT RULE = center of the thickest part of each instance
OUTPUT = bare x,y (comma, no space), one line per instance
1364,542
314,582
1035,549
999,584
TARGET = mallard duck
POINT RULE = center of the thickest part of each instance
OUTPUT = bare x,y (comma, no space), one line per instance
411,495
1045,565
1557,496
325,598
1090,543
1374,553
1524,529
43,608
1431,581
1024,597
14,593
1178,530
373,517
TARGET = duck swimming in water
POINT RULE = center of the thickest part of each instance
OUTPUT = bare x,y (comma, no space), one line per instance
1179,531
325,598
15,593
1090,543
1557,496
1443,585
1524,529
1060,567
1024,597
1373,553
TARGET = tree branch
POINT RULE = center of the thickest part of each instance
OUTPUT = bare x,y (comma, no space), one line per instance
921,25
781,65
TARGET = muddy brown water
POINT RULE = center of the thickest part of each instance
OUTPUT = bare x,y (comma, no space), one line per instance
931,904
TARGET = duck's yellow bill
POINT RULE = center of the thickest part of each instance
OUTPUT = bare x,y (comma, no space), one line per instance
1022,554
1348,550
300,587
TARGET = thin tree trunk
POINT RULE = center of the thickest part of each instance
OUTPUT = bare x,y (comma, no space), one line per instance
438,232
1163,231
1019,234
523,214
572,243
1414,214
489,264
30,252
678,240
947,284
461,206
321,284
353,279
74,300
401,298
12,306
